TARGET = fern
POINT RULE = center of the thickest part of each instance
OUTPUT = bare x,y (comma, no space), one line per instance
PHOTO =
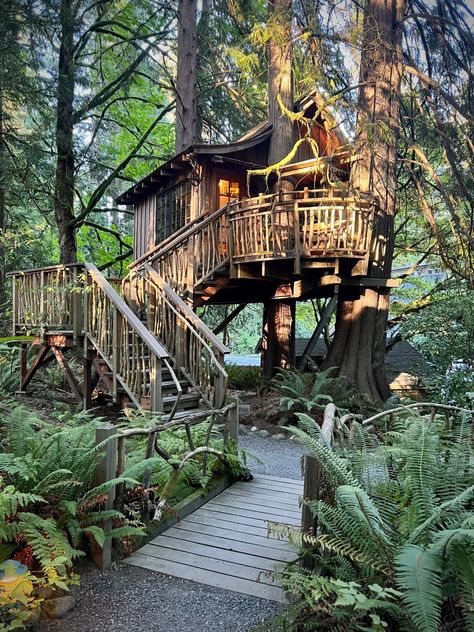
419,578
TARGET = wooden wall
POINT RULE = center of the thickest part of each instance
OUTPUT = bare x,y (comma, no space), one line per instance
145,226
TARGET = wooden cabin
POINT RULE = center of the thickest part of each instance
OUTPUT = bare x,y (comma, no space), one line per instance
206,177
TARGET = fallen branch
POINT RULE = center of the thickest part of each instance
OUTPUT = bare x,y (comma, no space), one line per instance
392,411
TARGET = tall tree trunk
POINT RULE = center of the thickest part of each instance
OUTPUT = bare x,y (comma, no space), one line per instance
280,79
64,185
186,79
358,348
3,297
278,316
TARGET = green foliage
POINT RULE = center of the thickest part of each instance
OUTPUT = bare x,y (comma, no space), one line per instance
243,378
303,392
395,512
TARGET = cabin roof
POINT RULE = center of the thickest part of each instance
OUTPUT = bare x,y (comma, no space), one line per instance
181,163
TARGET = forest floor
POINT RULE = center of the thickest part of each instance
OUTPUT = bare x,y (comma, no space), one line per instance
123,596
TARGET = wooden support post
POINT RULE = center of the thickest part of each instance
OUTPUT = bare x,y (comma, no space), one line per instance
156,399
230,317
68,374
87,386
311,491
41,360
325,316
105,470
233,423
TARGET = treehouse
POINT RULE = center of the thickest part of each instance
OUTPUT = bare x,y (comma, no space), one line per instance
220,226
213,225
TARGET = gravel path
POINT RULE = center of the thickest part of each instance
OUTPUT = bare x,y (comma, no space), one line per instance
279,458
130,599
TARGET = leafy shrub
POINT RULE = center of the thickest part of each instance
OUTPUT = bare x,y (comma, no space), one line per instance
397,514
300,392
49,511
243,378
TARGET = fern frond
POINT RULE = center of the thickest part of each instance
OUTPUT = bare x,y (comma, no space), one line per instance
419,579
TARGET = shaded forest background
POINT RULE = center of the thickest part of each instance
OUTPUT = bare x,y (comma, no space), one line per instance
106,70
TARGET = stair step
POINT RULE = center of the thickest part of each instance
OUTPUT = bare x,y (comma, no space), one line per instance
187,400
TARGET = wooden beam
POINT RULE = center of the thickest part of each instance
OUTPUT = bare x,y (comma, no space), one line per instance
69,375
39,361
235,312
325,316
369,282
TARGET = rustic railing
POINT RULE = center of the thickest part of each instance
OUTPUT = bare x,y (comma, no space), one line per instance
301,224
307,223
134,355
79,299
192,254
47,299
198,354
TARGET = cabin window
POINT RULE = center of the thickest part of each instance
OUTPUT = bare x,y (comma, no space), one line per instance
172,209
228,192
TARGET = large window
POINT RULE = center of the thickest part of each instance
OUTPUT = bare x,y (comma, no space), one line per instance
228,192
172,208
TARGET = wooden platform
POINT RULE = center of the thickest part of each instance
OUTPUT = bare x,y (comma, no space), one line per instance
225,543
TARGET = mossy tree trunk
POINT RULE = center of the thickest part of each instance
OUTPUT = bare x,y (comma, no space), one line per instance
358,348
278,335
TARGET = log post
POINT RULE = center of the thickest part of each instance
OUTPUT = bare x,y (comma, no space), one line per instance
311,491
278,336
105,470
232,426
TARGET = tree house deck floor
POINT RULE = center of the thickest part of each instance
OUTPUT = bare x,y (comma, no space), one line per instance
225,543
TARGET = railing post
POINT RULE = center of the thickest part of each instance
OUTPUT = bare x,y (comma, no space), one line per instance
297,237
156,399
76,307
14,304
233,422
115,351
42,297
105,471
311,491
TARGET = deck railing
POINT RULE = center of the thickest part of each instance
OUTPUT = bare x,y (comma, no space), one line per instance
48,298
316,223
198,354
302,224
192,254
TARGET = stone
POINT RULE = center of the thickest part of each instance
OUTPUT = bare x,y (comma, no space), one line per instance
57,607
253,429
279,437
297,440
264,433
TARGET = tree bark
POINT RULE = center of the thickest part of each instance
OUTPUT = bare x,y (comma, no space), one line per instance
280,79
64,183
186,79
278,333
278,340
358,348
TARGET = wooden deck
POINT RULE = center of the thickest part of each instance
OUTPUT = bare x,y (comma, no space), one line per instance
225,543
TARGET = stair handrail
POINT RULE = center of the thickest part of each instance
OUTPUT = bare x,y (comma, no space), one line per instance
178,236
199,331
125,322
